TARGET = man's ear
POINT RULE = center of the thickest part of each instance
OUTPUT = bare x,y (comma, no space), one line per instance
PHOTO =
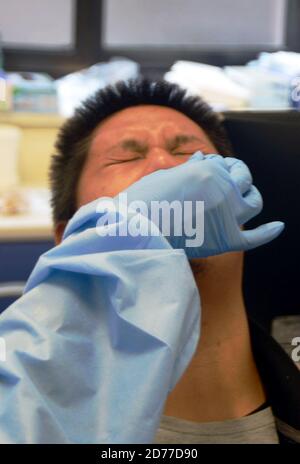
58,231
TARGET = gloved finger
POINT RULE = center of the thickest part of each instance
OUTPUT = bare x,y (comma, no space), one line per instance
262,234
219,158
254,205
240,173
197,156
215,157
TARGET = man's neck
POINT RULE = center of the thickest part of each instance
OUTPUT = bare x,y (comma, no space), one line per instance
222,381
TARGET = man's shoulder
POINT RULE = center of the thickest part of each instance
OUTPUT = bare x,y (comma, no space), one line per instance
281,379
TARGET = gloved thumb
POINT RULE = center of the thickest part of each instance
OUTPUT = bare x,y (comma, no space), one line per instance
262,234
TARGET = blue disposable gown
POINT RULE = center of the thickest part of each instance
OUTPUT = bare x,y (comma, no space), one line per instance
103,332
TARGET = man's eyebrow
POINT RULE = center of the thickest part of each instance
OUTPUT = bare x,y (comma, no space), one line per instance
129,144
180,139
171,144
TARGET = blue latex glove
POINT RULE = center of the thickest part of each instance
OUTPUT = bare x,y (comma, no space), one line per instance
230,200
94,345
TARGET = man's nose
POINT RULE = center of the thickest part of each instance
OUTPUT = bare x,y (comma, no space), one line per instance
159,158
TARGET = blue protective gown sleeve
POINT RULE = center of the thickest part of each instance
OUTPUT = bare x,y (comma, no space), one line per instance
103,332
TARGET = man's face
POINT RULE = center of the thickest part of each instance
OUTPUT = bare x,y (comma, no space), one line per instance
135,142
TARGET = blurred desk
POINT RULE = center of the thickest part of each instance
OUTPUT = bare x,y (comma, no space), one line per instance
22,240
25,227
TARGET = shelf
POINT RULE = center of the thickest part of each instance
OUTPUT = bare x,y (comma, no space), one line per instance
32,119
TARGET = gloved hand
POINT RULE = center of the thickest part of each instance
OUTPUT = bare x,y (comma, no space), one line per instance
230,200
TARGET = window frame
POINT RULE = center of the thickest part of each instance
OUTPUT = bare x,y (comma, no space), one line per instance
60,62
154,62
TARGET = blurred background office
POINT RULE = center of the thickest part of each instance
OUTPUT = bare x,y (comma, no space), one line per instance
243,57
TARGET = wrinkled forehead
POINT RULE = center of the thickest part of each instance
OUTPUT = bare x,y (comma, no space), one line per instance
146,114
149,122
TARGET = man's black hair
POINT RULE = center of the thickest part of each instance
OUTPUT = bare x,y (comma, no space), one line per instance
74,138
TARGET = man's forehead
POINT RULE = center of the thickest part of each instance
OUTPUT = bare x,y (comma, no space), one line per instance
146,116
145,121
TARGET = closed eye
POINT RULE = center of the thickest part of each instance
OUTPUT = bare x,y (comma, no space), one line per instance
182,153
119,161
